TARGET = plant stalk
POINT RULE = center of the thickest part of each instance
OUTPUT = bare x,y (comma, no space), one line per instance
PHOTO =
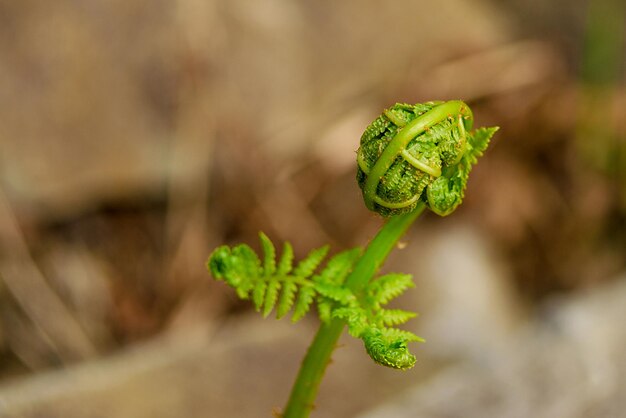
304,391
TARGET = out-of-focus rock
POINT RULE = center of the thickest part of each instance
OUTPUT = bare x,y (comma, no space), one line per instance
464,291
243,370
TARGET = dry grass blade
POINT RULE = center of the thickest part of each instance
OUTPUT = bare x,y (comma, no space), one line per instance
29,288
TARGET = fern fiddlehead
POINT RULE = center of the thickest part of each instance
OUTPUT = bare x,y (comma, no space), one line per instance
410,157
419,152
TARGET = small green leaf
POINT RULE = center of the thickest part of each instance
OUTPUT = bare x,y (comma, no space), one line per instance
286,298
218,263
446,193
389,286
303,304
389,317
237,267
339,266
246,262
337,293
286,260
400,334
271,295
356,318
480,141
307,266
258,295
269,252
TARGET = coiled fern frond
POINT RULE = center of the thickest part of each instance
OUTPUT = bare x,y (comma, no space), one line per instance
278,285
419,153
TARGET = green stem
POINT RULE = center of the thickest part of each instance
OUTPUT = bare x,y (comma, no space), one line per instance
304,391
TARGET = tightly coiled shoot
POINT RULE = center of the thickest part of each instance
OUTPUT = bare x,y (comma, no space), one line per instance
422,152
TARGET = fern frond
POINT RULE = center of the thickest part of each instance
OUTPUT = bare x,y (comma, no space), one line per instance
337,293
307,266
389,286
271,296
280,286
355,317
237,267
339,266
388,350
388,346
447,192
286,260
258,295
389,317
269,255
479,142
306,295
287,298
400,334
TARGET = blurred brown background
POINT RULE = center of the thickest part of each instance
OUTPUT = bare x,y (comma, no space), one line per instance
135,136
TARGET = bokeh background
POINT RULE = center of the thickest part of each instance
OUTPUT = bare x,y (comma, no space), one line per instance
136,136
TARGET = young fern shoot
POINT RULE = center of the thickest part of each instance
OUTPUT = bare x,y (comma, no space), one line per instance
286,288
410,158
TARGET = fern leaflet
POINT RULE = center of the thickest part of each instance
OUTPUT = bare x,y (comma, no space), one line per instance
279,286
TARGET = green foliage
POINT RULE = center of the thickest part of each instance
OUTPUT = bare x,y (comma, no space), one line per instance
422,152
388,347
410,157
284,288
387,287
267,285
446,193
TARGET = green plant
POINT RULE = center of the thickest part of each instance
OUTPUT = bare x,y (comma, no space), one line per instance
410,158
